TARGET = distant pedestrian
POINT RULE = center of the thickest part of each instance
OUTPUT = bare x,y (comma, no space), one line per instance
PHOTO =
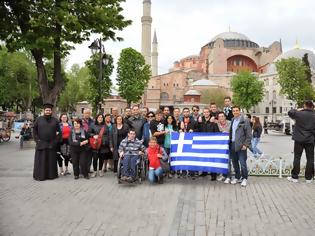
25,134
47,134
304,138
257,131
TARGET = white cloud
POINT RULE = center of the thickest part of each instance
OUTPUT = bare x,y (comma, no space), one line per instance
184,26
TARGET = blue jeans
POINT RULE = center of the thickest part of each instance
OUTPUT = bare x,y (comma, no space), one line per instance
239,158
154,173
255,149
129,165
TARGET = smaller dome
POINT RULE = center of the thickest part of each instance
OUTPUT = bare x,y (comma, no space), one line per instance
204,82
295,53
192,92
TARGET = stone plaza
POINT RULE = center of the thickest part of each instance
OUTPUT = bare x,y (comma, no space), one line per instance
100,206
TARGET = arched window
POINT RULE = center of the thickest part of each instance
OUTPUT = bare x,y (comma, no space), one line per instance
274,95
164,96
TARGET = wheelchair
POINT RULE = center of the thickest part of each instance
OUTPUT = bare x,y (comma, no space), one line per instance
141,169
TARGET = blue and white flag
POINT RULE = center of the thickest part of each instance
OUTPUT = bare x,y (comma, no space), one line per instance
208,152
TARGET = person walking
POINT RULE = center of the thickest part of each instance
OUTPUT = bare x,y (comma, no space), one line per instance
257,131
47,133
78,141
304,138
240,141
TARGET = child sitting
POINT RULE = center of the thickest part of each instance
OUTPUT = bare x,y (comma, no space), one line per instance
154,154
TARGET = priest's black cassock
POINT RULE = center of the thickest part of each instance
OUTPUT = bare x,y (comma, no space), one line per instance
46,133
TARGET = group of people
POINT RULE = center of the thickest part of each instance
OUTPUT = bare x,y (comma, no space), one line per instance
100,142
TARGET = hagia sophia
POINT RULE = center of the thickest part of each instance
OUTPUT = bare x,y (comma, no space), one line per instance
213,67
218,61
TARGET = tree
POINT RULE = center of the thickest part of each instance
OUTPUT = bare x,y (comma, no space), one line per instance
308,68
76,90
133,75
293,80
18,85
247,90
214,95
49,29
94,84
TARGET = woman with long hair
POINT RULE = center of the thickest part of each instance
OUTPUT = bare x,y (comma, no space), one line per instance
119,132
64,148
99,131
257,130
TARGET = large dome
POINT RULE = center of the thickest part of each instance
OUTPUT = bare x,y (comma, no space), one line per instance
230,35
233,39
296,53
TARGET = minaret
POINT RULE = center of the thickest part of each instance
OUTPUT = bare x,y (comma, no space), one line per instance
146,20
154,55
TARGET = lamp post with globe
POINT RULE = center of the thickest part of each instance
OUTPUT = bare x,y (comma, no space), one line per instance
97,47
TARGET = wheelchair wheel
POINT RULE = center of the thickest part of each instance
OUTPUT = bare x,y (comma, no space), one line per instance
143,170
119,170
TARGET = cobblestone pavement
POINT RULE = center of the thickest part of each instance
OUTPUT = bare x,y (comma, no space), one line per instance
267,206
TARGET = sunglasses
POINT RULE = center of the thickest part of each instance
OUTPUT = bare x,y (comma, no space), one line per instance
150,116
195,110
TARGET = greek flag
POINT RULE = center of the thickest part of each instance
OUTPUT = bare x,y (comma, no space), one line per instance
207,152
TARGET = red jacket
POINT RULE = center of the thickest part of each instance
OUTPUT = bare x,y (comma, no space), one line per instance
153,158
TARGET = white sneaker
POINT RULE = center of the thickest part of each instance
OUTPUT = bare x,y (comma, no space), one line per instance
227,181
100,173
309,181
94,174
244,183
220,178
292,180
234,181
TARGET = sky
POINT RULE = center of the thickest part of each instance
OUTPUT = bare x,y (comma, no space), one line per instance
184,26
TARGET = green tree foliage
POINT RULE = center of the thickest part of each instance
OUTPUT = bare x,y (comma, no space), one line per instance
293,80
214,95
94,84
247,90
76,90
50,28
18,85
133,75
308,68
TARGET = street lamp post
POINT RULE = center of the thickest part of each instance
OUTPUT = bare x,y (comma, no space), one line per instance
272,103
97,47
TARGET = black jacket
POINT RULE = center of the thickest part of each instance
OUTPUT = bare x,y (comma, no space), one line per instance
115,143
304,129
106,139
75,142
137,124
257,131
207,126
46,132
192,125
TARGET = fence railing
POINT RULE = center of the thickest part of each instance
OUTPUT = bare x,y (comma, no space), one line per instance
272,166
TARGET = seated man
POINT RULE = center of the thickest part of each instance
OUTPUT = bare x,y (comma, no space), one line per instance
25,134
130,148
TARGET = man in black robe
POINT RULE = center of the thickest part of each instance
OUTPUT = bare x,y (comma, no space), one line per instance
46,134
